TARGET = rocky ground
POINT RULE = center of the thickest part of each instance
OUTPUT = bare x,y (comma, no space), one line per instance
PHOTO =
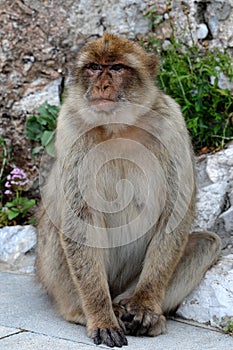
38,44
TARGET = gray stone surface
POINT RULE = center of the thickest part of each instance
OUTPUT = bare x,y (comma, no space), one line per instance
210,204
6,331
17,244
35,96
212,300
24,305
214,210
215,14
219,166
30,341
202,31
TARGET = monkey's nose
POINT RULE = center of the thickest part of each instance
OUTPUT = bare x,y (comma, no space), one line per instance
105,86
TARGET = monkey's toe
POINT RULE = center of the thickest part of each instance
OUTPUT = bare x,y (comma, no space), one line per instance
139,320
144,323
110,337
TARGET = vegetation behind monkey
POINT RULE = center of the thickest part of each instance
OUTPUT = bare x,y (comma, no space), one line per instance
114,249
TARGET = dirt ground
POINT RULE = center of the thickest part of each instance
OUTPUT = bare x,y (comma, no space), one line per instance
37,42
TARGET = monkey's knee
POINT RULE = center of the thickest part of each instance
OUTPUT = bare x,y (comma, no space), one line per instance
201,252
207,244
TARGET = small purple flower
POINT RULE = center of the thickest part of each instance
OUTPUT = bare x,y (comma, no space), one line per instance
16,177
16,171
8,192
16,180
20,173
23,183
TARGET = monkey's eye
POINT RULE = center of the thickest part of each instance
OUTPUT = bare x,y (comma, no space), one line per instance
94,66
117,67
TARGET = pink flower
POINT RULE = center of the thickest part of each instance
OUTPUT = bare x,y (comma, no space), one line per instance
7,184
8,192
20,173
16,177
23,183
16,171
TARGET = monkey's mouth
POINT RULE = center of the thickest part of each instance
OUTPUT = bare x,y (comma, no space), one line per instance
103,104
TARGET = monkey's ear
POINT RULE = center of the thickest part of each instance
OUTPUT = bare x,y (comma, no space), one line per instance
153,63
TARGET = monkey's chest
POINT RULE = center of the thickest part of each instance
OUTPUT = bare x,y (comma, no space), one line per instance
122,193
128,191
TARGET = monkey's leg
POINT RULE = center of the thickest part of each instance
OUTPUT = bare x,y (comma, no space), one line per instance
201,252
143,310
87,269
53,272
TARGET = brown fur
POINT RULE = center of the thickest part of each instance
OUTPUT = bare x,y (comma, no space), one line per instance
126,282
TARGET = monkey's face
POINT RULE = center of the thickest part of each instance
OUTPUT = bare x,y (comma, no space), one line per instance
113,77
106,84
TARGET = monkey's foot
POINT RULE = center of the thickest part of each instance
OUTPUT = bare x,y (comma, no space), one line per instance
119,312
109,336
140,320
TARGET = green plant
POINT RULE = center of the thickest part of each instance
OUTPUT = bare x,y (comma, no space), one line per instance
41,128
191,76
229,328
17,205
5,153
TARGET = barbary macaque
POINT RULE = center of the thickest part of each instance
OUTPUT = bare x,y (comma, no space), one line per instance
114,245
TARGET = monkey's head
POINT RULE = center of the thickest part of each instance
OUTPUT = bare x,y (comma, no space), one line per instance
111,74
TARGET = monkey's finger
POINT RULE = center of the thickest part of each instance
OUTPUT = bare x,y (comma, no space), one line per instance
132,327
121,324
145,324
127,317
106,338
118,337
96,336
123,337
158,328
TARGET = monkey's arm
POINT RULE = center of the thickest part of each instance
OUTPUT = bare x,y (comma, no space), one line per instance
143,313
87,270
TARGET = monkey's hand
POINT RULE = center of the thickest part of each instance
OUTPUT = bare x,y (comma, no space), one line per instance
109,336
139,319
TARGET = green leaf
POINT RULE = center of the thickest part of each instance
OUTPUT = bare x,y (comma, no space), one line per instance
33,129
50,149
36,150
43,111
47,137
10,204
29,203
12,214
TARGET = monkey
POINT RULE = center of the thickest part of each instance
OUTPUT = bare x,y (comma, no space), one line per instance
114,248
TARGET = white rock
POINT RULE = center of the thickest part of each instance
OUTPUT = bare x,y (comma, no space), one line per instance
15,244
202,176
36,95
227,218
166,45
202,31
219,166
212,300
118,16
209,205
224,82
